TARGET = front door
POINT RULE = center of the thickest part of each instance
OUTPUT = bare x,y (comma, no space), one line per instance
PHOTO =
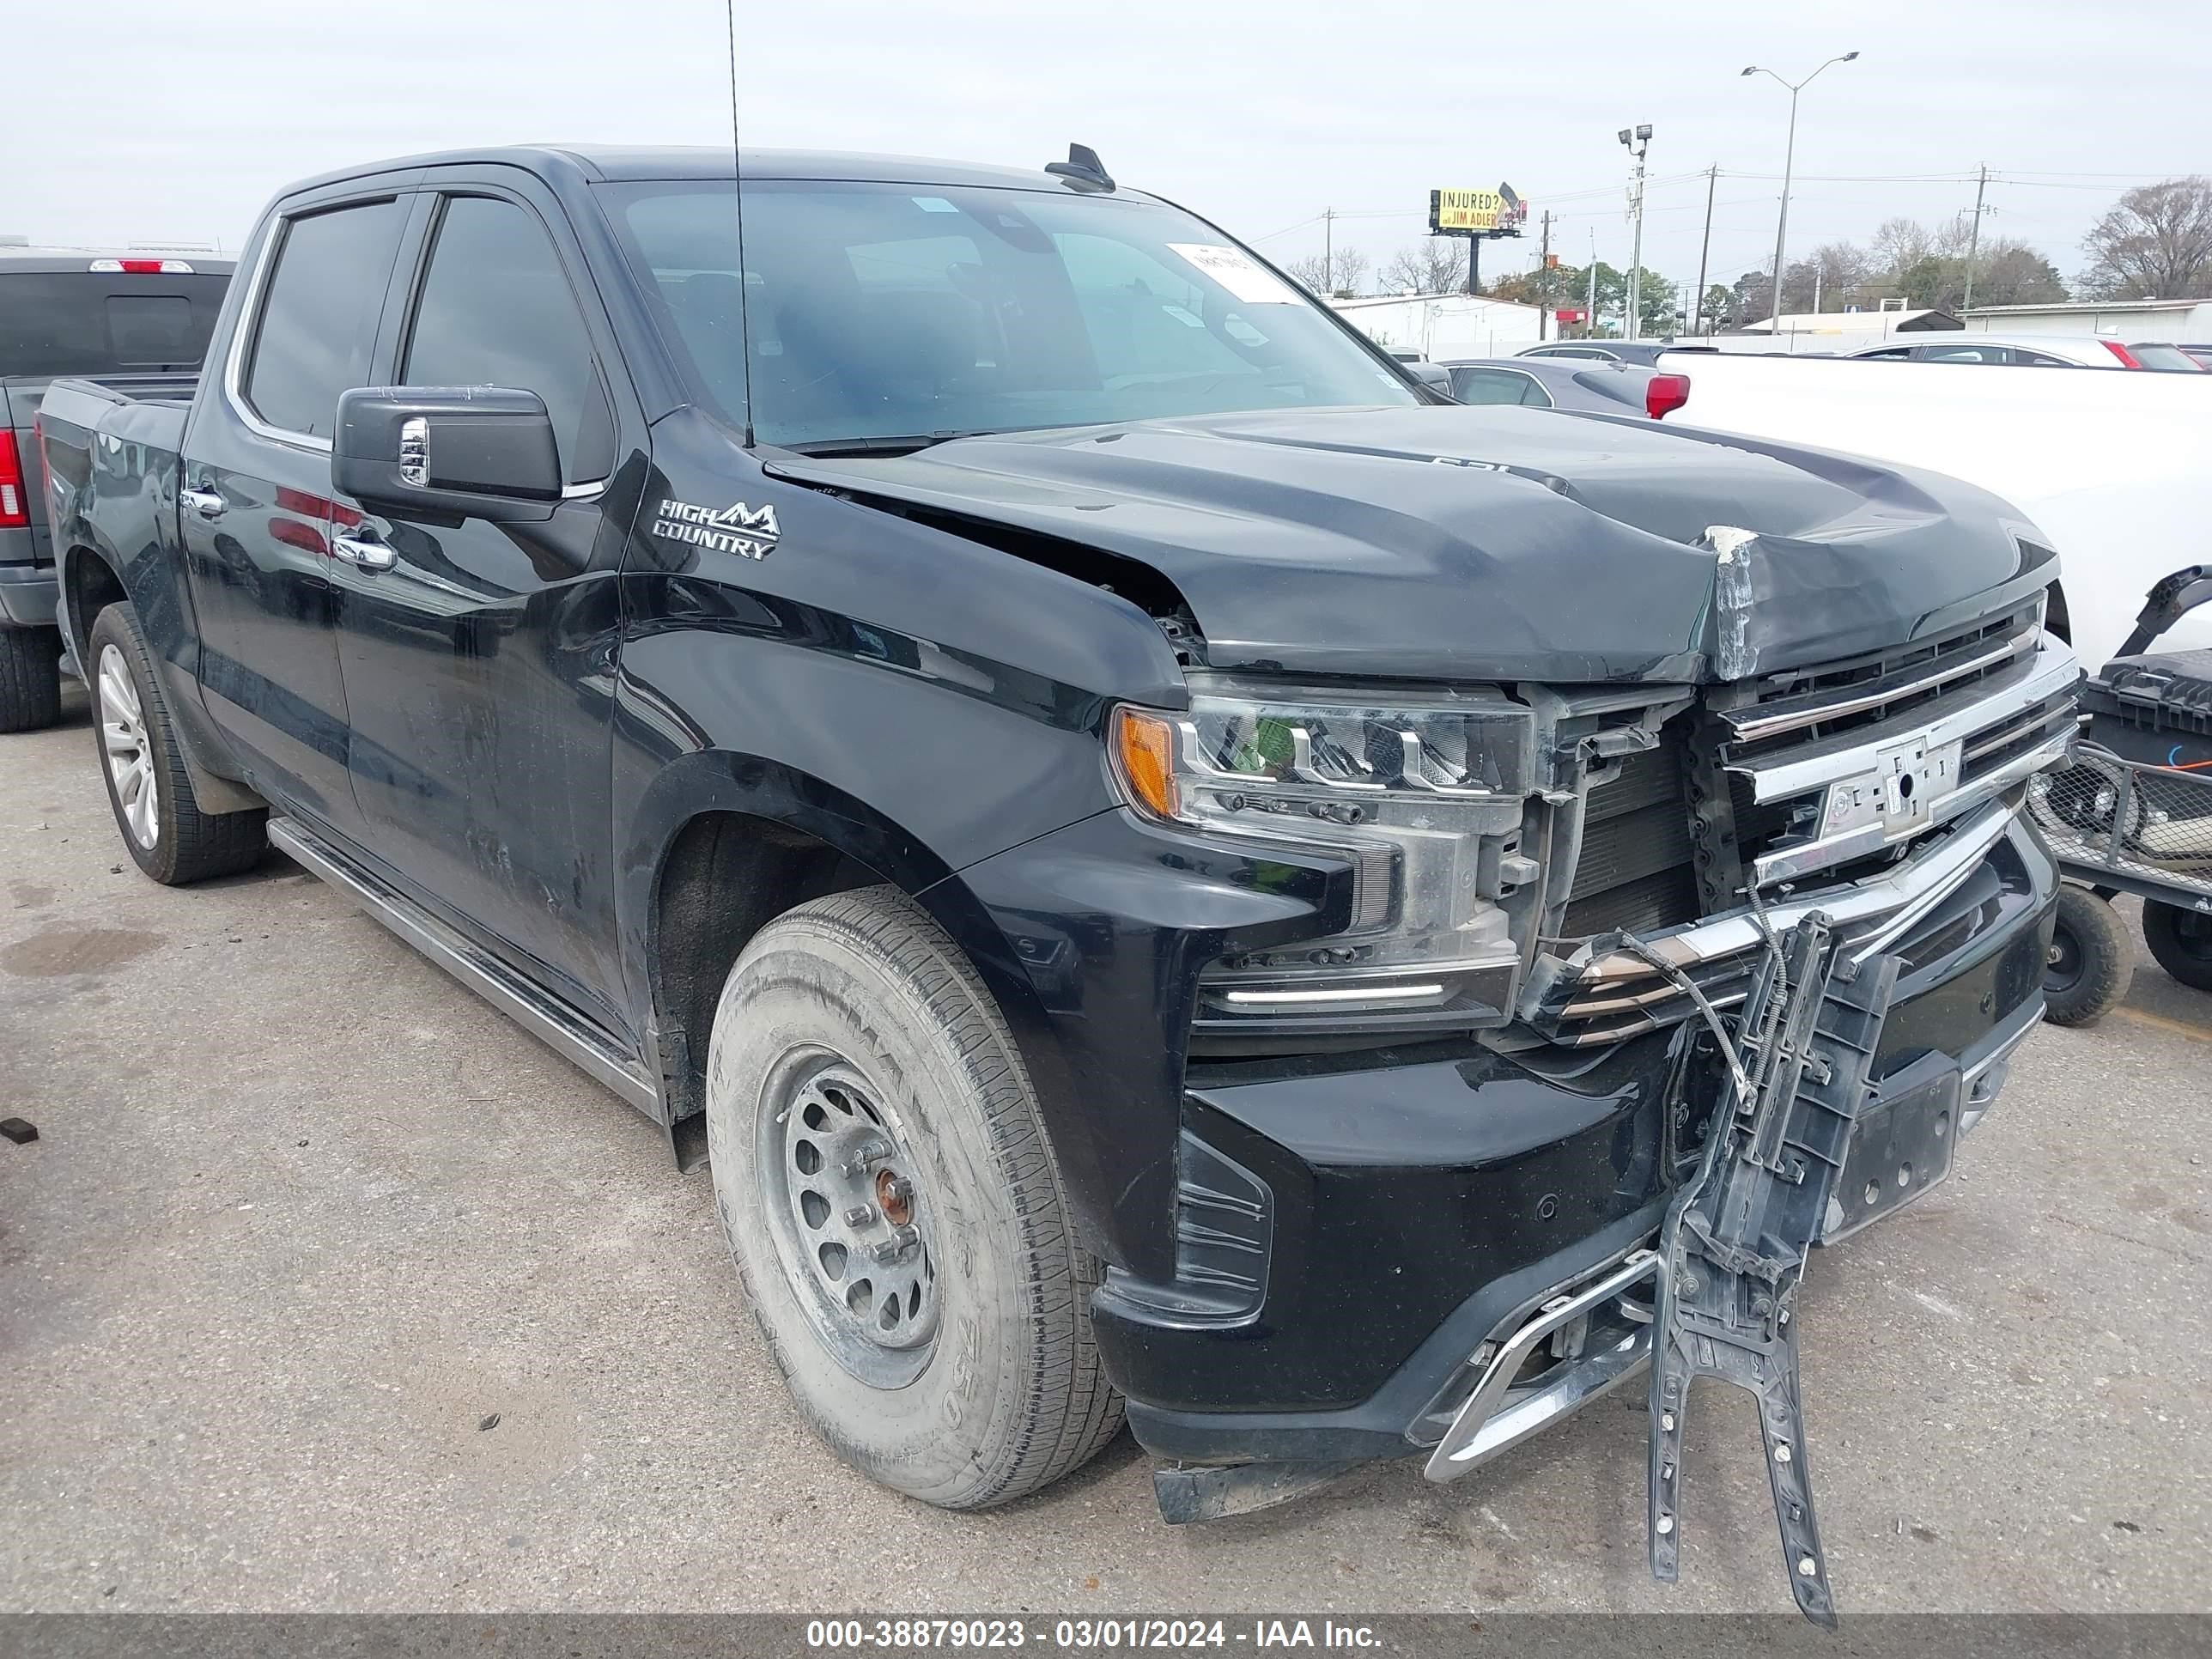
478,658
255,504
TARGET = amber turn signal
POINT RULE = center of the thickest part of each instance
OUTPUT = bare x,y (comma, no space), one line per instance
1143,756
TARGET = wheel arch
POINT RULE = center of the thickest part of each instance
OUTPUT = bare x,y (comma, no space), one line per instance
722,843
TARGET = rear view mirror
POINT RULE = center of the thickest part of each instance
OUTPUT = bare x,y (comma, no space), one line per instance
448,453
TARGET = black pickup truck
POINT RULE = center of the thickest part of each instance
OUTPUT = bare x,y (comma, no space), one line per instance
1169,867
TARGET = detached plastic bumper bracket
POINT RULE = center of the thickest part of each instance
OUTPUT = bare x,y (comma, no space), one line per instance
1732,1251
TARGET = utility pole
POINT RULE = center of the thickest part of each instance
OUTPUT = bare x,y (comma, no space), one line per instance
1974,240
1328,251
1704,249
1543,270
1638,141
1589,317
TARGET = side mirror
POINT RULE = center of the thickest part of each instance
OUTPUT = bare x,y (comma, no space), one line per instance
1435,376
446,453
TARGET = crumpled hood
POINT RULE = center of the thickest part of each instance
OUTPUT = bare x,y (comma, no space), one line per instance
1492,543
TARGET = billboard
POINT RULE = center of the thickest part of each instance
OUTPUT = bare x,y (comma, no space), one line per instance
1477,212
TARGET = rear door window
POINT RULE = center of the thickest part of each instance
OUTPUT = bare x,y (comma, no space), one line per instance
495,309
2168,358
99,323
317,325
1498,385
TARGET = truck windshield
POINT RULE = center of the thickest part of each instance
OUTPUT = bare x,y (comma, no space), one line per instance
901,313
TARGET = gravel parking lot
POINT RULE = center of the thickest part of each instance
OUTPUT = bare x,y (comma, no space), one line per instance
326,1288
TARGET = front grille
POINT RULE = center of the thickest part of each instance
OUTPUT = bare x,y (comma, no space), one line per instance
1861,694
1953,712
1855,778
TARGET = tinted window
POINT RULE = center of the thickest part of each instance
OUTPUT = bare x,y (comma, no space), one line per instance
2166,358
67,323
496,310
900,311
1964,353
1890,353
2041,359
1497,386
319,319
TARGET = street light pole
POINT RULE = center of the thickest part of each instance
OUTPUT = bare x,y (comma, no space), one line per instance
1789,168
1638,141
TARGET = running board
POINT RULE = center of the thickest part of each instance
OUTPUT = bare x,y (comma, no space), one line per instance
552,1022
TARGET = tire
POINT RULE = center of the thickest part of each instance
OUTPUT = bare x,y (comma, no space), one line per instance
968,1377
148,787
2181,939
2091,962
30,678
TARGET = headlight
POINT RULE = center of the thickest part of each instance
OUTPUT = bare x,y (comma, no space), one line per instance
1423,793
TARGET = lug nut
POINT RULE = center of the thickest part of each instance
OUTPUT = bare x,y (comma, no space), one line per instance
859,1215
867,1156
892,1248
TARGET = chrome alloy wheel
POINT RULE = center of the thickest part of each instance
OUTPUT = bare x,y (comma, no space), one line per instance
130,756
842,1200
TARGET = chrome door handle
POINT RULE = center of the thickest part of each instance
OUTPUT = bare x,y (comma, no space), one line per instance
369,556
206,502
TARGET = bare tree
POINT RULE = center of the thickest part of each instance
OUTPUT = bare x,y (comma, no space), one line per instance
1437,265
2154,244
1900,244
1336,274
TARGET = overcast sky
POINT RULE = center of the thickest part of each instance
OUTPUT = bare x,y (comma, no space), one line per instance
174,120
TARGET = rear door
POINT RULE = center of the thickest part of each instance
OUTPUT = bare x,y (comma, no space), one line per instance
255,505
479,658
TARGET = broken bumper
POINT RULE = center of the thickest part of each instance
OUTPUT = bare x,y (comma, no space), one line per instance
1442,1230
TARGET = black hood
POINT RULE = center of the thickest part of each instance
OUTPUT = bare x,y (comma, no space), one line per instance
1493,543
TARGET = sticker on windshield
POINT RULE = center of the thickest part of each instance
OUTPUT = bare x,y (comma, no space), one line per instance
1236,272
934,204
1187,318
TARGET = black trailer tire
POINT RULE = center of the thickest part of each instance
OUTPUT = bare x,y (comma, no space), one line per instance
149,789
895,1210
2091,962
2181,939
30,678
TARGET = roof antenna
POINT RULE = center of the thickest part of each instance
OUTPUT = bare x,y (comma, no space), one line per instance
1083,170
738,197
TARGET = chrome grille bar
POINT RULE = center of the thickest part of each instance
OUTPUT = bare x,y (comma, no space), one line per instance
1809,708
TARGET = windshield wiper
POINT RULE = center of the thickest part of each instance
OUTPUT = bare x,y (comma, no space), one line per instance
878,446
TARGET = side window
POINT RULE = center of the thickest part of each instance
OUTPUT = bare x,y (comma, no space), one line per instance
1889,354
2041,359
319,314
495,309
1497,386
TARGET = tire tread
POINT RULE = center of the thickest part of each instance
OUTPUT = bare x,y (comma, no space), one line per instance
1072,1411
30,678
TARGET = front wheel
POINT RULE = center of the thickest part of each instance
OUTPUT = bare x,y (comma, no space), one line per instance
894,1207
2090,964
2181,939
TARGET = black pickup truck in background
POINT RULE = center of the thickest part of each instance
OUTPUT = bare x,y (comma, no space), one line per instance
1169,867
74,311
